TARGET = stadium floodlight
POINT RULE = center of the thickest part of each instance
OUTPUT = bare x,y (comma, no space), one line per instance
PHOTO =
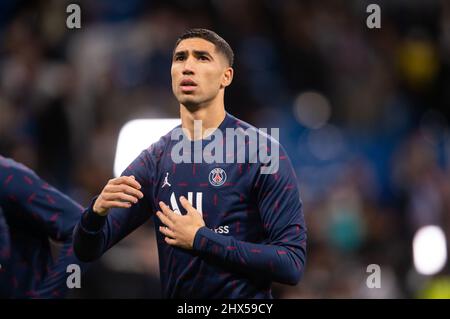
429,250
137,135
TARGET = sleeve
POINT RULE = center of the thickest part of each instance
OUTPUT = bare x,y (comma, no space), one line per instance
94,234
49,210
282,257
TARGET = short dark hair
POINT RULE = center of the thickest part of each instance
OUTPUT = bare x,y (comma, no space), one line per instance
221,45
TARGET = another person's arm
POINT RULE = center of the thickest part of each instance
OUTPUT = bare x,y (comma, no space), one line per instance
46,208
49,211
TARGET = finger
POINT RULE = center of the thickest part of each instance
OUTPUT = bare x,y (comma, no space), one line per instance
167,211
125,180
115,204
170,241
131,179
163,218
185,203
166,231
120,197
124,189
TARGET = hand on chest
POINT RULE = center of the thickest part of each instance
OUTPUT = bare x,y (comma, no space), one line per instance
216,191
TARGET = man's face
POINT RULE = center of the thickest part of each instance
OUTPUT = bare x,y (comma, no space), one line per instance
199,72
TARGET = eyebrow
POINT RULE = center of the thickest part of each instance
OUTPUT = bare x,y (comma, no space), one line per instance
196,53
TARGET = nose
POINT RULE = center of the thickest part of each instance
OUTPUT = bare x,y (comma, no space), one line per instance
188,68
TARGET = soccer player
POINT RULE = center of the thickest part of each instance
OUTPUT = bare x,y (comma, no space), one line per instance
31,212
224,230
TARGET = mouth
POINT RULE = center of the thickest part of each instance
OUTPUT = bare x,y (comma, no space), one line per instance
188,85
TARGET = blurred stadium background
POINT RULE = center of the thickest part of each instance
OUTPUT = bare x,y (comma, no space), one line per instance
363,114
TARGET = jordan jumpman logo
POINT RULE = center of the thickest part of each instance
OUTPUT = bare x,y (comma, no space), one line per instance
166,181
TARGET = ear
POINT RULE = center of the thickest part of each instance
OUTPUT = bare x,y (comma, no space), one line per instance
227,77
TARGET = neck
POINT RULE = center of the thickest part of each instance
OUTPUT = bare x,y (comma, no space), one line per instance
211,116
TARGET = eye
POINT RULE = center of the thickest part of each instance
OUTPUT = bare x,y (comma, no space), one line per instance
204,58
179,58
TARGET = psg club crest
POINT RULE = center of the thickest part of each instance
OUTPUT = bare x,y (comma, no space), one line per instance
217,177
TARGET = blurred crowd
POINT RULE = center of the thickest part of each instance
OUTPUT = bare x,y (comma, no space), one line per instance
363,114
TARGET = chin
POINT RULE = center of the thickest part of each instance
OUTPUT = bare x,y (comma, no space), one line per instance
192,107
190,103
